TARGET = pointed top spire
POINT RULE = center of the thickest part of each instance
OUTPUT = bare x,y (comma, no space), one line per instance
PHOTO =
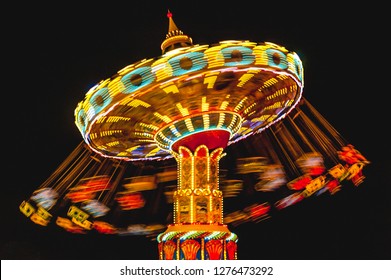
175,37
171,24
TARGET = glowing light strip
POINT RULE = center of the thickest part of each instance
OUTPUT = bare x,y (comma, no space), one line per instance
240,104
109,132
153,152
189,125
248,109
277,93
233,121
163,137
101,119
190,234
275,105
143,134
214,235
221,120
205,119
261,118
175,131
232,237
183,111
112,144
210,79
149,126
224,105
164,118
244,79
204,105
116,119
169,235
137,102
268,83
170,88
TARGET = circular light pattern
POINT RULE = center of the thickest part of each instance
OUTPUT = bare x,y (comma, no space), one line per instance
276,58
137,79
238,55
100,100
187,63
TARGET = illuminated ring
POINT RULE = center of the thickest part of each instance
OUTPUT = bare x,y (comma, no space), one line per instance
187,63
277,59
295,66
100,99
81,121
137,79
175,131
238,55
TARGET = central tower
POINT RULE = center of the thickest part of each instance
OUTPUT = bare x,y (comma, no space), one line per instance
198,231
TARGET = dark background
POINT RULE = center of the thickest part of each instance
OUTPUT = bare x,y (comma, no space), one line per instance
52,55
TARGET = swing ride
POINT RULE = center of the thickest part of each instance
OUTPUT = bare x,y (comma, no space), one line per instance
154,135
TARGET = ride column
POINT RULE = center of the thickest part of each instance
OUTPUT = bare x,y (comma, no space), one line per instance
198,231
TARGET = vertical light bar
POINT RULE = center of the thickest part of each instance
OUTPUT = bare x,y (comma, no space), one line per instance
205,119
192,188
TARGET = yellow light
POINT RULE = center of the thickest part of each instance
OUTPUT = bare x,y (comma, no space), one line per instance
175,131
244,79
126,69
26,208
153,152
204,105
183,111
109,132
164,118
116,86
215,57
132,148
117,119
149,126
268,83
224,105
137,102
248,109
210,79
189,125
205,119
221,120
112,144
240,104
170,88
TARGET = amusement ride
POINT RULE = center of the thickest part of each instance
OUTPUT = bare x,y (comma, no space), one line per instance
155,136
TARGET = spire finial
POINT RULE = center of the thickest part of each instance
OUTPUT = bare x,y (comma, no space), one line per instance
175,37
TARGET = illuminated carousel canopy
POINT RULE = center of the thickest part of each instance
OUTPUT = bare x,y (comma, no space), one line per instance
229,90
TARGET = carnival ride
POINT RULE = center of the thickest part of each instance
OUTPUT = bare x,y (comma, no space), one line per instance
154,135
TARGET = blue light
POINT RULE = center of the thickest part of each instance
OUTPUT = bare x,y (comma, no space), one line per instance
276,58
187,63
142,76
105,100
231,55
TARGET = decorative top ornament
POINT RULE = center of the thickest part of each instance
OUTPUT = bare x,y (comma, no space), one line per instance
175,37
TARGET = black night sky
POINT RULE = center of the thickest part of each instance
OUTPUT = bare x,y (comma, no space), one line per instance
55,54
